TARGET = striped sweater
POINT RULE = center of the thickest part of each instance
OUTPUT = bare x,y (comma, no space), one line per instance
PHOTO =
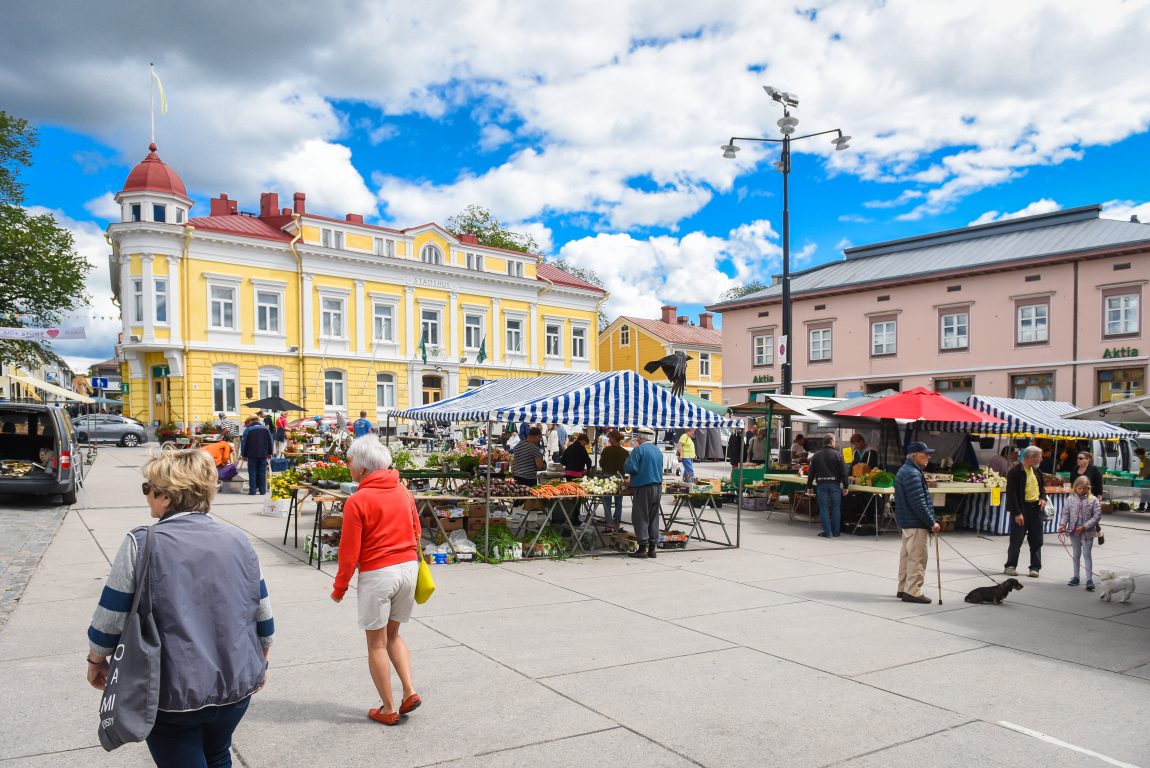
111,613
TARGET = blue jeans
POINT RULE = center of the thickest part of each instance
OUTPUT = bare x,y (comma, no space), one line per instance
618,501
830,498
199,739
688,470
257,476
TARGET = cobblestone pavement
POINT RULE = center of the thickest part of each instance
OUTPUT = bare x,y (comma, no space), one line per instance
26,530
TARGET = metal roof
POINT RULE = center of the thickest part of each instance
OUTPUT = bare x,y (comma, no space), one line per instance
1028,238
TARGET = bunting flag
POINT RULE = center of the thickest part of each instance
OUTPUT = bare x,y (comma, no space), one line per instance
160,88
482,352
423,346
41,334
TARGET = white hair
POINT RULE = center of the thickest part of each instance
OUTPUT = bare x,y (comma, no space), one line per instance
1031,450
368,454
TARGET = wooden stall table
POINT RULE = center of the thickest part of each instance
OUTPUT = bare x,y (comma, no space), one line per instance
299,494
321,496
549,504
448,481
426,506
696,505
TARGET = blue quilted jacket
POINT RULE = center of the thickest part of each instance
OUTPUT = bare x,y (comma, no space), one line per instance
912,504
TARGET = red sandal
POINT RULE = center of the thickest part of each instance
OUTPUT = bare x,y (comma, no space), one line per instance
410,704
387,718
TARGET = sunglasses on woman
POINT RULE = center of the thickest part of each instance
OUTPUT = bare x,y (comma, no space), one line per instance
147,488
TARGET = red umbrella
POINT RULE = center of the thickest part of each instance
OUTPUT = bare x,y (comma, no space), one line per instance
920,404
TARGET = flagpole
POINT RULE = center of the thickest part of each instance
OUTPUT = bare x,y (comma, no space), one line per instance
152,98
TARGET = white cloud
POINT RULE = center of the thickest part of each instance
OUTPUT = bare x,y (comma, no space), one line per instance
493,136
104,207
854,218
1124,209
1045,205
326,172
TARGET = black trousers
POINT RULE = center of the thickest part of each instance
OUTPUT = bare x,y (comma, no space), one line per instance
1031,530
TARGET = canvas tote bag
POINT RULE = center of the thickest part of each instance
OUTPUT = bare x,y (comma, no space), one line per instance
132,694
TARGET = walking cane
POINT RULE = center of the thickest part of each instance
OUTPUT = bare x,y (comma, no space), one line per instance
938,568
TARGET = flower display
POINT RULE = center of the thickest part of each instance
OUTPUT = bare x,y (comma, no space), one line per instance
987,477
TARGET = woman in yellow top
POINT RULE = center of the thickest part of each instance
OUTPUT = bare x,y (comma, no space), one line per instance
686,453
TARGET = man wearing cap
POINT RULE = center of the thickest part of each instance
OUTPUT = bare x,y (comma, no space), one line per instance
1025,499
915,515
645,466
527,458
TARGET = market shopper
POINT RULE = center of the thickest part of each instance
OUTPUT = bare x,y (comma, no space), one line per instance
685,450
1085,467
213,652
1080,518
799,449
256,448
1003,460
759,447
380,538
1143,470
645,466
576,460
1025,499
611,461
280,435
829,478
737,449
915,516
527,458
862,453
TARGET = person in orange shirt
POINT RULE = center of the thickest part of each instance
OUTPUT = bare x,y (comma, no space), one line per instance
380,537
220,451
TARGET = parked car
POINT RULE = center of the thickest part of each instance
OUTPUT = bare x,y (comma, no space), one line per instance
309,421
109,428
37,446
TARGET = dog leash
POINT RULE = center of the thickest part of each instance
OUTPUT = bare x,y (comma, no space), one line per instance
972,565
1062,540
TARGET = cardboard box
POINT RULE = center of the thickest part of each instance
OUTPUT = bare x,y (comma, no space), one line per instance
475,524
452,523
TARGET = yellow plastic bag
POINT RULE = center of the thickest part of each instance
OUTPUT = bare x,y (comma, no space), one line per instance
424,583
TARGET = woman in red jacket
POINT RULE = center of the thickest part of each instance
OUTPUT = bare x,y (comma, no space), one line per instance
381,538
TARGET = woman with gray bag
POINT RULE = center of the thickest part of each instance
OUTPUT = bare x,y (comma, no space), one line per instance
178,670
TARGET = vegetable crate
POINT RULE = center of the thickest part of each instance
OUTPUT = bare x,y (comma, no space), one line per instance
756,503
327,553
672,540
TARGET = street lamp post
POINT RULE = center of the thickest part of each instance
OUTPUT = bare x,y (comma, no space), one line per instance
787,125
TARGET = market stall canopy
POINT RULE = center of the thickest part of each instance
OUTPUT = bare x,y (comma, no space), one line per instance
1030,418
599,399
52,389
920,404
798,407
702,402
273,404
835,406
1134,410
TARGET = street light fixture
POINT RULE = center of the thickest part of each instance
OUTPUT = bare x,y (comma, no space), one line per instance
787,125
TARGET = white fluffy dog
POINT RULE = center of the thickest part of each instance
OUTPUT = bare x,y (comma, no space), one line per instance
1109,584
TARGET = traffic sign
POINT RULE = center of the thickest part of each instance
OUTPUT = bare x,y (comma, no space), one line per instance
99,382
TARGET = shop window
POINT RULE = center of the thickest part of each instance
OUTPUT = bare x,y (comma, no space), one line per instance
554,340
224,388
1032,386
1121,313
764,349
268,311
472,332
222,310
956,389
1033,323
431,255
882,338
331,318
514,336
429,326
820,345
705,365
384,390
334,390
579,343
270,382
383,322
161,297
1121,383
955,330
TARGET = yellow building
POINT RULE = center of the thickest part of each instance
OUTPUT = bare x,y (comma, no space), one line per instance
629,343
335,315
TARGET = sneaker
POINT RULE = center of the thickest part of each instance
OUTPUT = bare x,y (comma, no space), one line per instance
1033,574
1073,582
1010,570
1089,586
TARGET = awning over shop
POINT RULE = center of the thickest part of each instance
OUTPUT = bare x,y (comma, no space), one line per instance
600,399
798,407
1134,410
52,389
1030,418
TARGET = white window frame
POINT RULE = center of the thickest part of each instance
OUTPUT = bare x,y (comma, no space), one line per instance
163,211
954,321
1033,323
518,335
821,342
704,365
624,335
434,323
431,254
553,350
763,349
271,382
179,215
579,333
337,240
378,328
234,288
160,299
230,394
138,300
135,211
334,385
476,329
328,317
377,246
474,261
325,237
389,248
384,391
883,338
275,329
1121,319
514,268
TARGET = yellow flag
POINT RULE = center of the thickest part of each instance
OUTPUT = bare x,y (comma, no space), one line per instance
163,96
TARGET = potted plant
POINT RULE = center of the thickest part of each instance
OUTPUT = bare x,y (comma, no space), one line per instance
167,432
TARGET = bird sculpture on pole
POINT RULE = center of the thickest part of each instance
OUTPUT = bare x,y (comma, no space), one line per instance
674,367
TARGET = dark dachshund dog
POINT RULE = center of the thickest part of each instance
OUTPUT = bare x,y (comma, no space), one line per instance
995,594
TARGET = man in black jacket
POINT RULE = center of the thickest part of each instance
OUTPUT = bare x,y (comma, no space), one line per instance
1025,500
828,475
255,447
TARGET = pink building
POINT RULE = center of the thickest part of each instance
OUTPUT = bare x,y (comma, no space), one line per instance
1046,307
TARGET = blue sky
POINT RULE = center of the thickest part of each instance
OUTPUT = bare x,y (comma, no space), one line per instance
596,127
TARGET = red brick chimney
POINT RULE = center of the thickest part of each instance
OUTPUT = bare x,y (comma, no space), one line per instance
683,320
705,320
669,314
269,204
222,206
298,205
354,218
469,239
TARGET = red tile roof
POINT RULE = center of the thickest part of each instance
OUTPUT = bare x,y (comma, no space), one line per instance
352,223
551,273
243,226
152,175
685,335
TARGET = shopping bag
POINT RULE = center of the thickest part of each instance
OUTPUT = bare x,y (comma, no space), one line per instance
228,472
424,583
132,693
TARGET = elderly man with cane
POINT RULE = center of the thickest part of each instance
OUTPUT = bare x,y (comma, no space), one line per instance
1025,499
915,515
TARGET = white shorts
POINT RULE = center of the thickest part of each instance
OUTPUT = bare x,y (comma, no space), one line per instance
387,594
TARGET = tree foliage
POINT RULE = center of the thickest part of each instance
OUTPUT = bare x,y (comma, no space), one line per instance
746,289
477,220
587,275
41,275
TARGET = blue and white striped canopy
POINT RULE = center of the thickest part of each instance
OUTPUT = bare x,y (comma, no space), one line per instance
1039,418
600,399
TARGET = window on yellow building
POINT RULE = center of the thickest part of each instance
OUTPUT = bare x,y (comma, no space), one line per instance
268,311
271,382
429,326
554,340
224,388
472,331
325,238
475,261
383,319
705,365
579,343
624,335
331,325
514,268
384,390
138,301
515,336
431,254
223,307
334,389
161,294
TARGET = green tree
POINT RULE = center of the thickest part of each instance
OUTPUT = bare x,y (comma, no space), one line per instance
587,275
41,275
477,220
746,289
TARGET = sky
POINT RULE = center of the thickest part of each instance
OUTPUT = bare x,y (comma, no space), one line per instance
594,126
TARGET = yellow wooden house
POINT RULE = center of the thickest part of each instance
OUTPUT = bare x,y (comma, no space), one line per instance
629,343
